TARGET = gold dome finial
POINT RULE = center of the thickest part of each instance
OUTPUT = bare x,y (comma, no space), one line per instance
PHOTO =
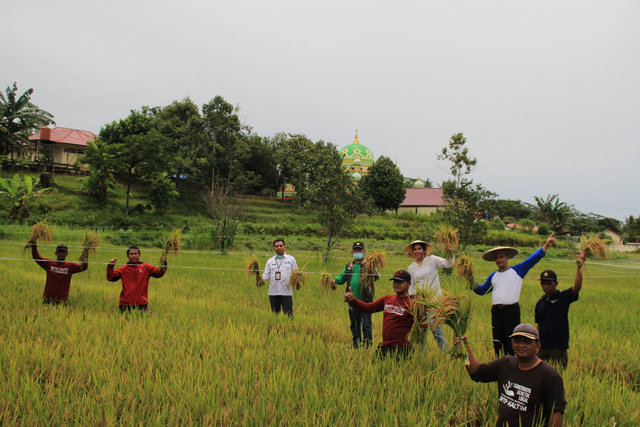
355,140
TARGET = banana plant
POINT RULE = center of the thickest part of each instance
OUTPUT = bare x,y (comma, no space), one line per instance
20,190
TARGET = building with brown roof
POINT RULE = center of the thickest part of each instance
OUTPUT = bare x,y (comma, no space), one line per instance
423,201
59,147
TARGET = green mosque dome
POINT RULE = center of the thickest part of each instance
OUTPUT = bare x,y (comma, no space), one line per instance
357,158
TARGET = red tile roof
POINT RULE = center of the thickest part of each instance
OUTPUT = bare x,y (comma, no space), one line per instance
423,197
64,136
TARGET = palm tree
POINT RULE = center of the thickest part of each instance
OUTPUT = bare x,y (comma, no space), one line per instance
19,118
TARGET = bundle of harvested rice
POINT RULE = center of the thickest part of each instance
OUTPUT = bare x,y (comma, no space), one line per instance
447,237
452,311
89,244
464,268
172,246
370,268
40,230
593,246
420,312
253,269
297,279
327,282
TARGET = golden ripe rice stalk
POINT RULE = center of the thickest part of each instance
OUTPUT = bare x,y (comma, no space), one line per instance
172,246
593,245
41,230
453,311
89,244
422,302
253,269
298,278
447,235
327,283
370,268
464,267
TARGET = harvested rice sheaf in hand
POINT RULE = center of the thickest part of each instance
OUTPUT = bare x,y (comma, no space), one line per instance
172,246
593,246
89,244
40,231
371,266
327,283
422,300
452,311
464,267
253,269
446,236
297,278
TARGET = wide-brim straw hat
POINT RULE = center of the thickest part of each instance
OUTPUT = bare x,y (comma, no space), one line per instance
409,249
491,254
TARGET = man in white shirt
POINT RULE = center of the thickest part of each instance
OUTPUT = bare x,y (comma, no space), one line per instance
505,285
277,271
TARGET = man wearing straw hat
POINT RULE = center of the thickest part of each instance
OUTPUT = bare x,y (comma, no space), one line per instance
278,271
505,285
59,272
424,276
530,391
360,322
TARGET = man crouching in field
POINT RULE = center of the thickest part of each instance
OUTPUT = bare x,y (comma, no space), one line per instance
59,272
530,391
397,319
135,279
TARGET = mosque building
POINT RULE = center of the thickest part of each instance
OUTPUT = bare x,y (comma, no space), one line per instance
357,159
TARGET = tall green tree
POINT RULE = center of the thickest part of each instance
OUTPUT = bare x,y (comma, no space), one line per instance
19,118
463,198
385,185
555,213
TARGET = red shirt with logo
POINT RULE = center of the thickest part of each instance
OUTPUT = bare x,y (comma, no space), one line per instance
58,276
135,281
396,320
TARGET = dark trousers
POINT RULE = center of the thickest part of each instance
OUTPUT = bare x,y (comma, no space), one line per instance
129,308
384,351
554,356
284,302
53,302
504,318
360,327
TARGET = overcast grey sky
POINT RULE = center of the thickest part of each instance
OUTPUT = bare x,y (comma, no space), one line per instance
545,92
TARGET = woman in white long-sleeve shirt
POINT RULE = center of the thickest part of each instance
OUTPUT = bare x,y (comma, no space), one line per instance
424,275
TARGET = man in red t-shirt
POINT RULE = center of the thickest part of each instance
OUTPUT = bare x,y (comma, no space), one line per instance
59,272
135,279
397,319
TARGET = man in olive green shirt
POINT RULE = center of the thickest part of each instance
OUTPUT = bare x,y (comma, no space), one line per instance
360,322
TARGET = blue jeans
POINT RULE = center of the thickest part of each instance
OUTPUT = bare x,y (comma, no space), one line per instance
437,335
360,327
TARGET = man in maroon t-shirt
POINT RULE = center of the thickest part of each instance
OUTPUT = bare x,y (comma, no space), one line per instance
135,279
397,319
59,272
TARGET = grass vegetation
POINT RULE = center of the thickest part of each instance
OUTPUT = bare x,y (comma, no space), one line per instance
209,351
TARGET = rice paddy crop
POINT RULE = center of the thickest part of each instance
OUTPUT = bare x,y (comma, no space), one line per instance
372,265
210,351
447,238
593,246
297,279
41,230
464,268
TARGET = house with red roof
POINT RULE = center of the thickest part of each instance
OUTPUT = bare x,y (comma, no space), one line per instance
423,201
60,146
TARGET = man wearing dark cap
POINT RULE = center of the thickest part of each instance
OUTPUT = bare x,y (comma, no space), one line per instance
530,391
59,272
361,330
552,315
397,319
505,285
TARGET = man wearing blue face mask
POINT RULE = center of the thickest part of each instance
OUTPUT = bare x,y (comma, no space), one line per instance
360,322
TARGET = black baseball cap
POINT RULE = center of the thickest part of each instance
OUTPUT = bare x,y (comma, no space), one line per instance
401,276
548,276
358,245
62,248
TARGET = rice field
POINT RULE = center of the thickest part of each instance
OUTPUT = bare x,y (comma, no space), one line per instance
209,351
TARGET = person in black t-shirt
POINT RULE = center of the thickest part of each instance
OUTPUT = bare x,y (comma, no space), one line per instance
552,315
530,391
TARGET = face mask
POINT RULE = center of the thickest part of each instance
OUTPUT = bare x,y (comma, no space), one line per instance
279,256
358,256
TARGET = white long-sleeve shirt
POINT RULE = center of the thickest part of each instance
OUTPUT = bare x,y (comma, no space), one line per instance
425,275
285,266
